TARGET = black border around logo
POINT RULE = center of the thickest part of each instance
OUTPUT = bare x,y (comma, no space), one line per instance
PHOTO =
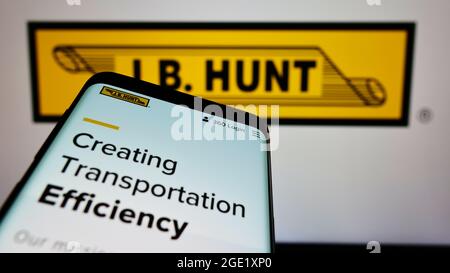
409,27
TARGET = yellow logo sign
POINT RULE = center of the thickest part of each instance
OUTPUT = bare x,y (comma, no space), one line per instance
110,92
341,73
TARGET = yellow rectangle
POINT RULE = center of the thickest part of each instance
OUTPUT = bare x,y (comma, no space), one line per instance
120,95
331,73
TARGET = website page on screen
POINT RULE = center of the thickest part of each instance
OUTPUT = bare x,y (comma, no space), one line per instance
119,176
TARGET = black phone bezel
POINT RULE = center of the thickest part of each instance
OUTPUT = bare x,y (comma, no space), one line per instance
150,90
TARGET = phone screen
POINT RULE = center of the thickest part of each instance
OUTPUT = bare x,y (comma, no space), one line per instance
126,173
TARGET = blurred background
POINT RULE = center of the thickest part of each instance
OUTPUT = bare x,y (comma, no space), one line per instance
331,183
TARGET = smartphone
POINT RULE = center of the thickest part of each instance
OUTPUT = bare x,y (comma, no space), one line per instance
135,167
